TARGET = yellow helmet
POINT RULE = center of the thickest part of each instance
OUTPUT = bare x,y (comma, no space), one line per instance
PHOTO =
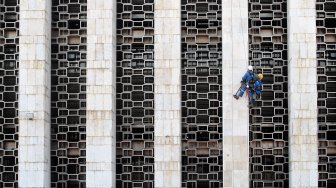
260,76
250,68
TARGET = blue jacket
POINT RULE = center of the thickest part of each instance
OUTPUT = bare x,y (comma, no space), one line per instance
257,87
248,77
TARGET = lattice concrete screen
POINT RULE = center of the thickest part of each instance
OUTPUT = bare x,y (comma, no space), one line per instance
135,93
201,94
9,70
269,121
68,98
326,71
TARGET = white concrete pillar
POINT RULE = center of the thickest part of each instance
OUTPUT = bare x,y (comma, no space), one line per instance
302,95
167,97
235,113
34,94
101,95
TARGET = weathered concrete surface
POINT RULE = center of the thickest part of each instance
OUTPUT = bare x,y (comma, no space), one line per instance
34,94
235,113
167,97
101,91
302,95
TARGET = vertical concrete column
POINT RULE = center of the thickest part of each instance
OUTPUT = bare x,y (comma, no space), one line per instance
302,95
167,97
235,113
101,94
34,94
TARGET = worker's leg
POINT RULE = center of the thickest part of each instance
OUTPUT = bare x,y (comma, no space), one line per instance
258,93
254,97
251,93
242,90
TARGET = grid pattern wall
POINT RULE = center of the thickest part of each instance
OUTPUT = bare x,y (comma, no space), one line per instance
201,94
269,120
326,71
135,93
9,65
68,93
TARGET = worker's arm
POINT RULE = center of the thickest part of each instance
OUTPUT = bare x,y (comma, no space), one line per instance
257,86
244,78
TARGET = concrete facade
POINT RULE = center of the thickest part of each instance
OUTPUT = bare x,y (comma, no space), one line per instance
101,87
167,98
34,94
235,113
302,95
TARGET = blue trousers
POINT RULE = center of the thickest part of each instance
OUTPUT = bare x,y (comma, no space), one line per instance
251,94
242,90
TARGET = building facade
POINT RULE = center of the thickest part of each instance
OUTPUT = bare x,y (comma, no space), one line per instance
138,93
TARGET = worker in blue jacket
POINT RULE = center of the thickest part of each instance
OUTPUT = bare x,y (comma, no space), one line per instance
255,92
247,82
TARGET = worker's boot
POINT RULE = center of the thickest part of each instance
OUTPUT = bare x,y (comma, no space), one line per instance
236,97
253,105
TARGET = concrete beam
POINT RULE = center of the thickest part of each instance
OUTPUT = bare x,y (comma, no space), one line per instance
235,113
101,95
34,94
167,96
302,95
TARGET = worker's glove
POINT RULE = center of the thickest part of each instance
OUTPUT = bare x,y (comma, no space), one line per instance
247,86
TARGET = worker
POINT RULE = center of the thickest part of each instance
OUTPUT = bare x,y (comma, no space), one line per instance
247,82
255,92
